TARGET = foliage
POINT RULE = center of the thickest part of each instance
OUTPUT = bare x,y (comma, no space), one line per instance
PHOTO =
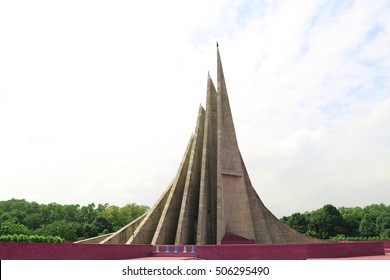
352,218
71,222
75,222
354,223
10,227
368,225
122,216
342,237
67,230
326,222
383,224
30,238
297,221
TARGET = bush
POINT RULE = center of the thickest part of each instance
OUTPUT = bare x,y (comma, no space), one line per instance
342,237
30,238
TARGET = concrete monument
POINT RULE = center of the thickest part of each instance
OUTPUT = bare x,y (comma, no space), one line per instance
211,198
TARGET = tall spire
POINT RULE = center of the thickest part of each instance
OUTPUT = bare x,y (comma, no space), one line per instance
233,204
211,199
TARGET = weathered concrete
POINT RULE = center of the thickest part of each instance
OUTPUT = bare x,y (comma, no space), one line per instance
207,216
188,220
211,194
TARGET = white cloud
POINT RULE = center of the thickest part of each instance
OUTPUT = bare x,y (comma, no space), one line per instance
299,140
98,99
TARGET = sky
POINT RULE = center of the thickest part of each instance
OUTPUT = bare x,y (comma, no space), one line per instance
98,99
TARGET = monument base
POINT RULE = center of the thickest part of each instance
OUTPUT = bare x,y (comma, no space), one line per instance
298,251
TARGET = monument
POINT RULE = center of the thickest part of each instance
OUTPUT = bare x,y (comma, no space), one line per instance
211,199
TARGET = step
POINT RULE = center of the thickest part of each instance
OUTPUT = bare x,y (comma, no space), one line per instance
162,254
174,250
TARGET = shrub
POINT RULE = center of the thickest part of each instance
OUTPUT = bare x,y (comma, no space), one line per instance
342,237
30,238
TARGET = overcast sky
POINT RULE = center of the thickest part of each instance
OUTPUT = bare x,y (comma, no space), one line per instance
98,99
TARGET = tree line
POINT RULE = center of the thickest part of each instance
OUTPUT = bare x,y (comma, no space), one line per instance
71,222
329,222
74,222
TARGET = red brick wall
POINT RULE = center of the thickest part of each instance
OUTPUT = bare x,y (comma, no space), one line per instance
71,251
386,243
347,249
300,251
252,252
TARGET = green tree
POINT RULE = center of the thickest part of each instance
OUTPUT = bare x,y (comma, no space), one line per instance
16,207
383,224
326,222
119,217
69,221
70,212
10,227
87,214
375,209
33,221
132,211
297,221
64,229
100,225
352,217
113,215
367,226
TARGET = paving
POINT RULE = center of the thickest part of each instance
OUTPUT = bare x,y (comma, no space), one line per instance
168,258
380,257
191,256
188,253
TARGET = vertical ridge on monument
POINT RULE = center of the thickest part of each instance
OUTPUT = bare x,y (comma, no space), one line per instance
211,200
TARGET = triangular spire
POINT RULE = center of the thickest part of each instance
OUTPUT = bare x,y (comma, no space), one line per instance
211,196
207,216
234,214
